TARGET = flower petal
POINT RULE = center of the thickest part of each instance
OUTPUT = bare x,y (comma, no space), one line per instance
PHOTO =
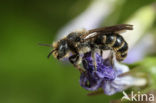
89,81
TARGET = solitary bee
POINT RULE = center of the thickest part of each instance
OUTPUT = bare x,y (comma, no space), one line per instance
81,42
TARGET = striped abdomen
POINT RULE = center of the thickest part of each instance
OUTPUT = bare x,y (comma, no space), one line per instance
114,42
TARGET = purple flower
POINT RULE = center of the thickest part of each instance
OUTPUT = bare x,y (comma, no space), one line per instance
105,75
103,68
93,78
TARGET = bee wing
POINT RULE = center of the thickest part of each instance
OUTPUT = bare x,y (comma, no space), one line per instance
116,28
111,29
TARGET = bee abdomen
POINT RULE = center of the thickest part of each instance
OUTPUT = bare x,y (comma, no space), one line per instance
118,44
110,40
115,42
120,56
100,40
121,48
106,39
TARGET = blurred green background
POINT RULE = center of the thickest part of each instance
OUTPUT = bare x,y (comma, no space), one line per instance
26,75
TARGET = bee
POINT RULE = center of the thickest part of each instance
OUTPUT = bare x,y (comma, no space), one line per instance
81,42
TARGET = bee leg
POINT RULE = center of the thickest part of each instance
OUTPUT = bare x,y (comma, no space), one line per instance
101,53
111,57
94,61
74,59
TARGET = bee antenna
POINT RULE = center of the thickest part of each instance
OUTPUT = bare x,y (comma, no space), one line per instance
48,45
50,54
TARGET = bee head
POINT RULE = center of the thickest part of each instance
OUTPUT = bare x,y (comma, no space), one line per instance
60,49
